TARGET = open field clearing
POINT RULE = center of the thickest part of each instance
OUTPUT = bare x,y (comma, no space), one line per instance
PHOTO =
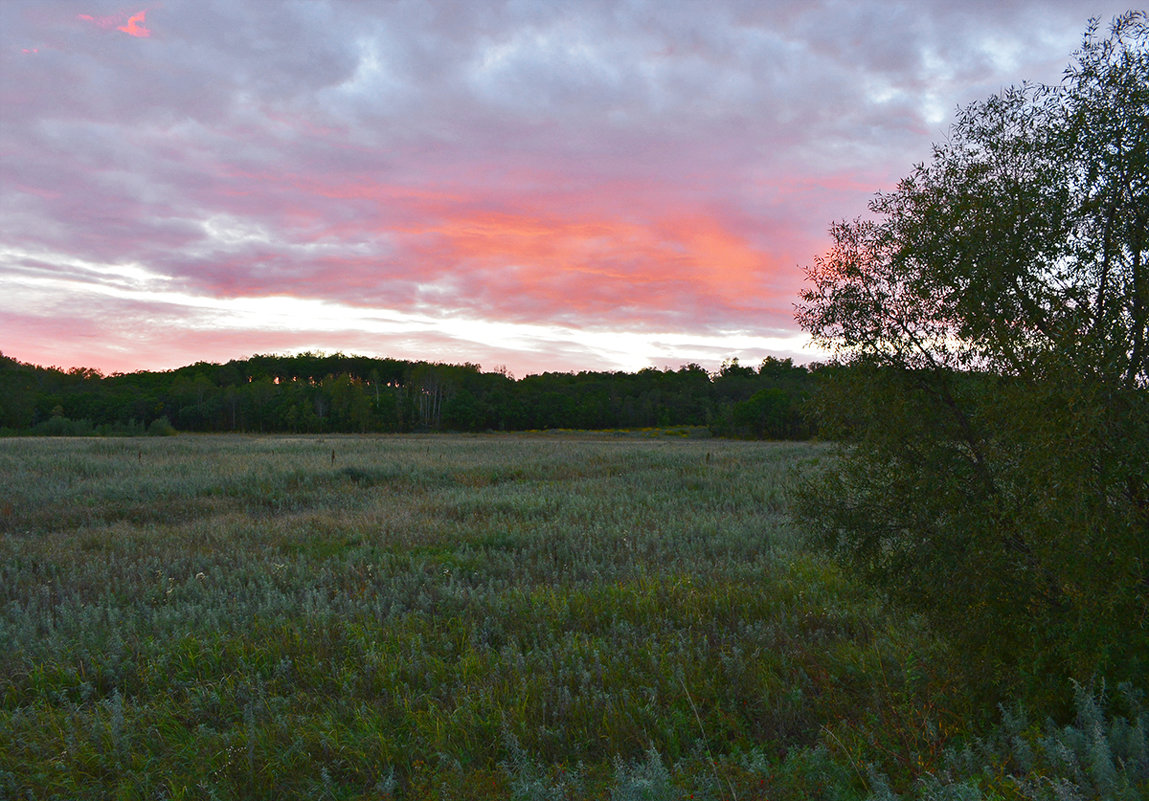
438,616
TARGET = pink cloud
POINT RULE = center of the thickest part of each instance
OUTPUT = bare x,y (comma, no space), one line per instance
533,259
133,27
101,22
650,169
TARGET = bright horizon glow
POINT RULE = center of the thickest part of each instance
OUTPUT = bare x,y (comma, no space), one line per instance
320,317
586,188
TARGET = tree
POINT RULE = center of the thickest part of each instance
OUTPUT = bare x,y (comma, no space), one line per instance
770,413
989,318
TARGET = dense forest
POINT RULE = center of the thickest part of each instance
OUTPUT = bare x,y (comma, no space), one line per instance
316,393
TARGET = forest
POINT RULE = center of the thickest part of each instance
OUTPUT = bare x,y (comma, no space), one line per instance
317,393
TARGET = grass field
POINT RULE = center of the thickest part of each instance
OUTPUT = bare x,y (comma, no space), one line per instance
440,617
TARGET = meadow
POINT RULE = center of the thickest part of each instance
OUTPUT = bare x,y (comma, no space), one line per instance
481,616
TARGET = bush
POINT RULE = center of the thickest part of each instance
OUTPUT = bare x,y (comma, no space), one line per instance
161,427
1101,755
59,426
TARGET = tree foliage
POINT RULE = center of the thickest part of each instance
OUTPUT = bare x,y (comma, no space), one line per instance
313,393
992,312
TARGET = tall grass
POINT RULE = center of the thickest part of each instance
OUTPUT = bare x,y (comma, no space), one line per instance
453,617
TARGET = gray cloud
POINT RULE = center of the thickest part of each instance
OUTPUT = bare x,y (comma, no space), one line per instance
633,165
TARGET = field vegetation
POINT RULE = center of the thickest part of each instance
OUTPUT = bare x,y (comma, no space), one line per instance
489,616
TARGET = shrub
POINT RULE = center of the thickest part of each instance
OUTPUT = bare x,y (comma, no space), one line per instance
161,427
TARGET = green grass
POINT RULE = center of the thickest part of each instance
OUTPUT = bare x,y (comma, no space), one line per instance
442,617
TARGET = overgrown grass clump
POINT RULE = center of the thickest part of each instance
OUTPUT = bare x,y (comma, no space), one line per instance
451,617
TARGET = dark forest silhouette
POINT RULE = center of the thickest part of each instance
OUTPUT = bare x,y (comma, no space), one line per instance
337,393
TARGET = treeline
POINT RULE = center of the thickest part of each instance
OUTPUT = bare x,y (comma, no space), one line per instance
317,393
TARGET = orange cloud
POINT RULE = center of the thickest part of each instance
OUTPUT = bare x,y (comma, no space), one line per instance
582,251
581,262
135,25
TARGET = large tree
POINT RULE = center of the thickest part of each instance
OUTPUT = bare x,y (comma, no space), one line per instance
990,318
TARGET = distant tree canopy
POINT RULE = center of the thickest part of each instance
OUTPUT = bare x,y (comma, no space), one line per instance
338,393
991,318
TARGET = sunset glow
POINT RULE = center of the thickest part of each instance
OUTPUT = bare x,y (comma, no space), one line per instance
135,26
596,186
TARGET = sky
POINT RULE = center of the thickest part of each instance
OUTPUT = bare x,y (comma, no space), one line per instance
536,186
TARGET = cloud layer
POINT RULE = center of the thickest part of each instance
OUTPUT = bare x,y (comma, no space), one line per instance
544,185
